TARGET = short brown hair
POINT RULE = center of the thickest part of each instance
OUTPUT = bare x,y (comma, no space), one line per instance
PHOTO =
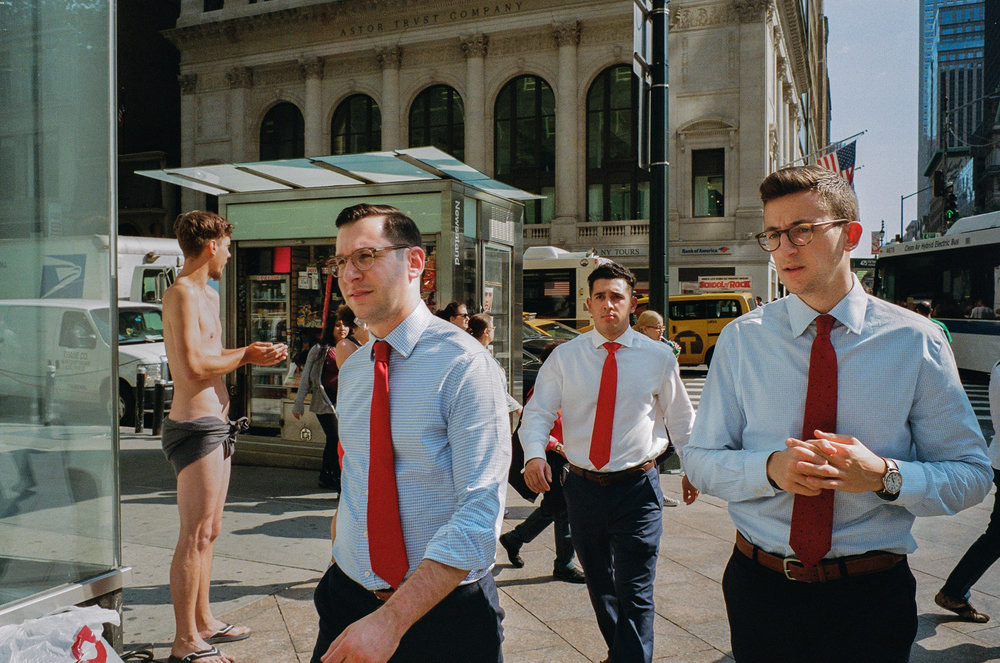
397,227
612,270
197,228
835,193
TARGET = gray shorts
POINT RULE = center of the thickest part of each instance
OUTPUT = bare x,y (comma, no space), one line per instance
184,442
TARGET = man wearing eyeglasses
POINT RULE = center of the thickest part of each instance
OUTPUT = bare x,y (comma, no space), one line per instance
426,439
828,421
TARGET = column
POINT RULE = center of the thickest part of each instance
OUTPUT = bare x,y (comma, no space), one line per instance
240,80
571,162
389,61
312,71
190,199
475,100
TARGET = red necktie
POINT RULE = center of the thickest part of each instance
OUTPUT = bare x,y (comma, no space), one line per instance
385,532
604,417
812,516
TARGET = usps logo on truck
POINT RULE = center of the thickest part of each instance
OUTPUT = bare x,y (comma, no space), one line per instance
62,276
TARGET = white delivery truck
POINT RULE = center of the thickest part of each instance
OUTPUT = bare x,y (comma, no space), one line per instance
57,352
78,268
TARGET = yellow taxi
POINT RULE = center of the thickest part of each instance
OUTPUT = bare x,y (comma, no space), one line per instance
694,321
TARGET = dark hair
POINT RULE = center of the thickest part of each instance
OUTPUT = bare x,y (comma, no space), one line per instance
397,227
549,347
331,320
346,315
612,270
835,193
196,228
478,324
923,309
451,310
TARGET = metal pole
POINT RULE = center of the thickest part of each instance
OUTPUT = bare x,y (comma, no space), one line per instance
140,402
659,166
159,396
49,405
901,218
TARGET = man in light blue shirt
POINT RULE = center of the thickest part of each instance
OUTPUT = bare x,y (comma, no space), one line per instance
906,443
450,444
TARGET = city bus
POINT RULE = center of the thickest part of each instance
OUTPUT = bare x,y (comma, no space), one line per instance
555,283
956,273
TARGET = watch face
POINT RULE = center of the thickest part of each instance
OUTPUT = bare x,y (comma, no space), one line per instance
892,482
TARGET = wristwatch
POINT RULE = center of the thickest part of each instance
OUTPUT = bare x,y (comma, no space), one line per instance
892,481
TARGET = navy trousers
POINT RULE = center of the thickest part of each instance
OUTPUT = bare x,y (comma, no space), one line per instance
862,619
616,532
465,626
980,556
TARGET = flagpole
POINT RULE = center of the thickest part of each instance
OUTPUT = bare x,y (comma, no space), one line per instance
825,149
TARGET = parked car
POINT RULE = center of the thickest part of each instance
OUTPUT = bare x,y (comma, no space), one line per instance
536,334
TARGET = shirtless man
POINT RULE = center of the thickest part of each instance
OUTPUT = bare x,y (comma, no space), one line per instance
198,437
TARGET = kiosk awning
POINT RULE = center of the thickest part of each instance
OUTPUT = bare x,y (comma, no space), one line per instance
414,164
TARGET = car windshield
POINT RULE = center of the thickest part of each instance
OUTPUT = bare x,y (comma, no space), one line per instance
556,330
135,324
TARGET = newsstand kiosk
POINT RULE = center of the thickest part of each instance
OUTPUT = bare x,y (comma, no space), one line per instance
276,287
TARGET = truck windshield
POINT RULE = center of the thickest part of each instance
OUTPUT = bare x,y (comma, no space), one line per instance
135,325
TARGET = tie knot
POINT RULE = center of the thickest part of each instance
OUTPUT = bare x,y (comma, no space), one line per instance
824,324
382,350
611,347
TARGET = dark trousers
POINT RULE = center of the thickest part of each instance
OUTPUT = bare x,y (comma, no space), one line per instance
870,618
465,626
979,557
616,532
331,463
551,510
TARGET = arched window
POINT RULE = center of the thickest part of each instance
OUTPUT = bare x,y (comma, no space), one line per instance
616,187
356,127
437,117
282,133
524,133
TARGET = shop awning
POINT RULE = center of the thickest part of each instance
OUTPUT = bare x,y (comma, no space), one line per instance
414,164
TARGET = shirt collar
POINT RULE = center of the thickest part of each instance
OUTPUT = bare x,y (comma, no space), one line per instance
403,338
626,339
849,311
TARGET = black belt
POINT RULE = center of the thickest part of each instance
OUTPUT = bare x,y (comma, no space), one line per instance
609,478
826,570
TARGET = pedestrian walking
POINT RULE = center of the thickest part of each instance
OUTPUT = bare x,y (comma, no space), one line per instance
198,438
551,511
825,465
483,330
618,392
319,379
425,434
982,554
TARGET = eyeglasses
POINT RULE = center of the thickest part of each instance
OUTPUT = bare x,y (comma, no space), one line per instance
363,259
658,328
799,234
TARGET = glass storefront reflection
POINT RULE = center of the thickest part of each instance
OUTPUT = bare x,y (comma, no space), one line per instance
58,470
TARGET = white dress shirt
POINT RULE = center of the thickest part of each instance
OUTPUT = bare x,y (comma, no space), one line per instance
898,392
650,399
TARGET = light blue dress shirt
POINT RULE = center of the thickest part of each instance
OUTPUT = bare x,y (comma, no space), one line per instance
898,393
451,439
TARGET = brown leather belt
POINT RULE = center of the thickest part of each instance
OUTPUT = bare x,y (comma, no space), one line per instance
826,570
609,478
382,594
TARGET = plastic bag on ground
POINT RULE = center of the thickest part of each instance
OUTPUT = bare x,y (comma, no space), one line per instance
71,636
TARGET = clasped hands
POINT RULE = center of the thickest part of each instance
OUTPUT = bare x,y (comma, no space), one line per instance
829,461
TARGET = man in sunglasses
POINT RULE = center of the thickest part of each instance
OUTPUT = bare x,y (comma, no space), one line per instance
829,420
426,439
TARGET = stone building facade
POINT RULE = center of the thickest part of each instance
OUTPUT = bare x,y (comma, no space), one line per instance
537,93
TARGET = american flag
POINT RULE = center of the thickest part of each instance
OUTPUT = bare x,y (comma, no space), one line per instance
556,289
841,161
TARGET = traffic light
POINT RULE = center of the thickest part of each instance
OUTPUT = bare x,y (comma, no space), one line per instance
950,206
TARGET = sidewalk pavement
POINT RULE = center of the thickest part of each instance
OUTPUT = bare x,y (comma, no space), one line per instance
275,546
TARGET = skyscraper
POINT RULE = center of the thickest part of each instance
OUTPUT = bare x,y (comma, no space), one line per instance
951,73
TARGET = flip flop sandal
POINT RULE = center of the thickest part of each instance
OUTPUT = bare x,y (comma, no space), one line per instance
194,656
222,636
